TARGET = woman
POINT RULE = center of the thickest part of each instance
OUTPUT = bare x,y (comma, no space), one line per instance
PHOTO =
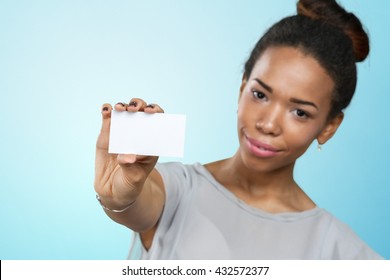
296,83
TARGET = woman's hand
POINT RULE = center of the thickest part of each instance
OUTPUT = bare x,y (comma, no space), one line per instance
119,179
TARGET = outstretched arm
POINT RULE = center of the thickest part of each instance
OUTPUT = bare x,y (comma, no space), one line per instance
128,182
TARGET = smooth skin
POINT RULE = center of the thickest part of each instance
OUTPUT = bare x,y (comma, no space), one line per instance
283,107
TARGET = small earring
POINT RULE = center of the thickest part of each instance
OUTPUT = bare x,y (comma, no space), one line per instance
319,147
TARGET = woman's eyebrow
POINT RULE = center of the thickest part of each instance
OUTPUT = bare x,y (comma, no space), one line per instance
264,85
293,100
303,102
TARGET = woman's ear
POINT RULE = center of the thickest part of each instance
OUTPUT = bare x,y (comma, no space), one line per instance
330,129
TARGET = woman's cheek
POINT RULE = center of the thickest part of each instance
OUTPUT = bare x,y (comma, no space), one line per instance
300,139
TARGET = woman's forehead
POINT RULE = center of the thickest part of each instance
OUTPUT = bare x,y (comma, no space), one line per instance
288,68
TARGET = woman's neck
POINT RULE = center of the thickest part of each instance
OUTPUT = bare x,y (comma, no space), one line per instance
274,191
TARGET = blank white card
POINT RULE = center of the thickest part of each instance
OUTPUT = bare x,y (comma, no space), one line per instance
147,134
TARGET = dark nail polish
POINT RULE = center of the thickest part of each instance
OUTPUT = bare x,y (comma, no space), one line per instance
133,103
120,103
150,106
105,108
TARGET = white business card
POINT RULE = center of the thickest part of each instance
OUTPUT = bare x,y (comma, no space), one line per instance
147,134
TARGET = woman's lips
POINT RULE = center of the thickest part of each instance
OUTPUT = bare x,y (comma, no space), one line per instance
260,149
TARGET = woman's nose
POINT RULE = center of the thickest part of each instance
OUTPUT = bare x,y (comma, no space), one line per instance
270,121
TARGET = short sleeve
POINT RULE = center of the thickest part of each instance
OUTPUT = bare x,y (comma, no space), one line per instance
178,186
341,243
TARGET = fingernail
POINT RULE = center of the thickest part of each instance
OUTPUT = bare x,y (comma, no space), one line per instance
120,103
105,108
133,103
150,106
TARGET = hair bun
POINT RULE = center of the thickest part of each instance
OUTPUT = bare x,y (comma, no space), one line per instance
332,13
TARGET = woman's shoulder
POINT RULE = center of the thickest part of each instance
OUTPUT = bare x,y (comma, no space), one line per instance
185,169
341,242
179,176
178,168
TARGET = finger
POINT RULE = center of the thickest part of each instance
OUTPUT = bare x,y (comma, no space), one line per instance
102,142
153,108
120,107
136,104
106,115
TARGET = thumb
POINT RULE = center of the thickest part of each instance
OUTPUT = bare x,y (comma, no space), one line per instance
125,159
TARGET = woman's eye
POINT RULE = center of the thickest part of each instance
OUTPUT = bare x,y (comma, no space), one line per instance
258,94
301,114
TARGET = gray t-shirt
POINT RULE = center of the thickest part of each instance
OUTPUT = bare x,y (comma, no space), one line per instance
203,220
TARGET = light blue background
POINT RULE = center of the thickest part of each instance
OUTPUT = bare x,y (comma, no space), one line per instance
60,60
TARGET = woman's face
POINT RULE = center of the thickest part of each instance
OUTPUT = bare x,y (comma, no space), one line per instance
283,107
